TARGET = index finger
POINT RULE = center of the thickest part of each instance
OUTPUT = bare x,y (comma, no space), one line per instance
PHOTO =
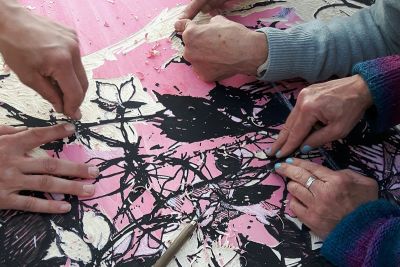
71,88
35,137
284,133
193,9
301,128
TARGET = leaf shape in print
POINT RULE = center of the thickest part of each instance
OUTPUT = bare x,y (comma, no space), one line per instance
126,91
97,229
72,245
133,104
105,105
108,92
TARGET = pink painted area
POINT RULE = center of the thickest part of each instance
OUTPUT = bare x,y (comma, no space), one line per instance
100,23
251,229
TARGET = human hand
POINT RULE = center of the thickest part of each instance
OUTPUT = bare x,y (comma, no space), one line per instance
45,56
337,104
195,6
222,48
332,196
19,172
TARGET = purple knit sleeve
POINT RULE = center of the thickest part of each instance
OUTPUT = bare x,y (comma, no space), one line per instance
367,237
383,78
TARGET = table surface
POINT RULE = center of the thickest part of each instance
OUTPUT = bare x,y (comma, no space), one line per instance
171,147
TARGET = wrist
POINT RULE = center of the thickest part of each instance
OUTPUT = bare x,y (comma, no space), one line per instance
363,91
256,53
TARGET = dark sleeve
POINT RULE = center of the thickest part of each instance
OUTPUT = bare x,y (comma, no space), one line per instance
383,78
369,236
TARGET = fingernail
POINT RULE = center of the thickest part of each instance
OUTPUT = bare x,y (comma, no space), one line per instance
78,114
305,149
268,151
94,172
69,127
88,189
278,154
289,160
277,166
65,207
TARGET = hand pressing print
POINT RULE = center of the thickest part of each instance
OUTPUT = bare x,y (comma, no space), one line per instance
222,48
45,56
19,172
338,104
205,6
322,197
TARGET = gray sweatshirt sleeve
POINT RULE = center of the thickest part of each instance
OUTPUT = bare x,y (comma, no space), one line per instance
317,50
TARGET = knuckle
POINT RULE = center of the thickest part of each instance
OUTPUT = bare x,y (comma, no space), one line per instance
49,165
292,206
303,94
29,204
298,174
188,55
295,188
63,58
44,182
187,35
307,106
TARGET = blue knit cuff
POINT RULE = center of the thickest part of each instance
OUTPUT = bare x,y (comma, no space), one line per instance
339,245
382,76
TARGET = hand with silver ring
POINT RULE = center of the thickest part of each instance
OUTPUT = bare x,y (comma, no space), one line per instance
321,197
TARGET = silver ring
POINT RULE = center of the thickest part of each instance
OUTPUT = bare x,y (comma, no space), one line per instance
310,181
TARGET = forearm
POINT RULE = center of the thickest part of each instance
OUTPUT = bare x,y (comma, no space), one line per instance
382,76
366,237
317,50
9,11
7,8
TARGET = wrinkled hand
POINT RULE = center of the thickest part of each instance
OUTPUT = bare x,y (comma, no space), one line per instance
222,48
332,196
338,105
19,172
206,6
45,56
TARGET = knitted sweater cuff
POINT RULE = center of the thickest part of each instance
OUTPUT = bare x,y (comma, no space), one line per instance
290,53
383,78
362,236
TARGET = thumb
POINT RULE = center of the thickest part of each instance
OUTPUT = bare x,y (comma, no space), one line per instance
181,25
193,9
320,137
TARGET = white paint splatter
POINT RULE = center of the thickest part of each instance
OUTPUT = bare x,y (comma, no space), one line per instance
96,229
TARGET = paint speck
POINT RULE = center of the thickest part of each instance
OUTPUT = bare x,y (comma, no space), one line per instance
30,7
140,75
153,53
